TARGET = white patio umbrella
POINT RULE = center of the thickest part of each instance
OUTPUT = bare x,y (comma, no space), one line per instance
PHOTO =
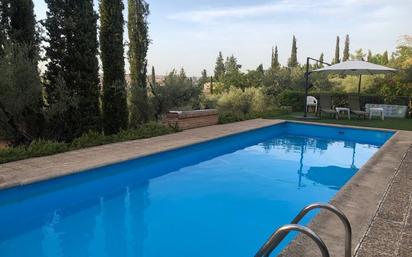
356,68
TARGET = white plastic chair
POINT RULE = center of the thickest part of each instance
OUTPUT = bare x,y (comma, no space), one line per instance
312,101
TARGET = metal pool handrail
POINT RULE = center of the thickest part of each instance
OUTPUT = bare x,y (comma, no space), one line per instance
282,232
299,217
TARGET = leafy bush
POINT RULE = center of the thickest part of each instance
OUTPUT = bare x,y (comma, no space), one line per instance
90,139
208,101
235,117
235,101
145,131
178,92
36,149
295,99
238,102
45,147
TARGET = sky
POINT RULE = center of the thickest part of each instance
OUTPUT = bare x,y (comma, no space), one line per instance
190,33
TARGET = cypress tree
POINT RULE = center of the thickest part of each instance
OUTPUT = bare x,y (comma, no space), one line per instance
337,52
153,77
4,23
346,49
115,114
55,48
23,26
138,30
275,59
321,59
220,67
81,65
204,74
370,56
385,58
231,64
203,79
293,60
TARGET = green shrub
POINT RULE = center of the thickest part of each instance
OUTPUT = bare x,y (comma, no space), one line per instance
237,102
295,99
235,117
35,149
45,147
208,101
90,139
144,131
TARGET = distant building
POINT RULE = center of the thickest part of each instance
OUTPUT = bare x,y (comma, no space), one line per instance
207,88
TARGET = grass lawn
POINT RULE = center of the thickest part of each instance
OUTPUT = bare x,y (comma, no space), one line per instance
399,124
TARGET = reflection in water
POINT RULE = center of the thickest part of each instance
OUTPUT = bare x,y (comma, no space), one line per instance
99,234
117,228
331,176
137,202
51,238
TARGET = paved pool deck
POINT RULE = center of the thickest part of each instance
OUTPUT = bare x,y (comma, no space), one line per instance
43,168
377,200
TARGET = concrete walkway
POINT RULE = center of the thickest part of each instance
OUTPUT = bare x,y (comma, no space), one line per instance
390,233
43,168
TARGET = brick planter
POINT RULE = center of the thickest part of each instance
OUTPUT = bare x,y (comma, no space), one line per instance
192,119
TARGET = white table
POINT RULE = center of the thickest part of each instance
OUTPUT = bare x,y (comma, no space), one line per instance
376,111
342,109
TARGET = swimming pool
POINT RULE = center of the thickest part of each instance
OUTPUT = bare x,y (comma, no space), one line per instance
219,198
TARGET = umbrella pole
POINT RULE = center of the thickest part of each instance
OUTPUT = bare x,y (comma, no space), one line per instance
305,112
360,84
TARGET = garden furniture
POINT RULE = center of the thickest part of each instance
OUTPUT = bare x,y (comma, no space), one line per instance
325,106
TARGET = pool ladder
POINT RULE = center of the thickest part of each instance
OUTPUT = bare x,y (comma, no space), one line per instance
276,238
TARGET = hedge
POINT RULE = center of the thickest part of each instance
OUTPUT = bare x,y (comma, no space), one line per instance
41,147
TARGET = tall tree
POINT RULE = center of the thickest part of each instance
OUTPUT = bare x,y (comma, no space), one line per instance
358,55
203,79
337,51
231,64
293,60
81,67
55,49
23,26
275,59
139,41
23,38
153,77
385,58
220,67
370,56
4,23
346,49
321,60
115,113
20,89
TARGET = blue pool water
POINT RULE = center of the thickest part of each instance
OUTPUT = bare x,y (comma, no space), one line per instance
220,198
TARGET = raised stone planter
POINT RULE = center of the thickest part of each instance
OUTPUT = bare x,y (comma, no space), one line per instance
192,119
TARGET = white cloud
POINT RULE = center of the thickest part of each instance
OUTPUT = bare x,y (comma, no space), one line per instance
250,31
327,8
